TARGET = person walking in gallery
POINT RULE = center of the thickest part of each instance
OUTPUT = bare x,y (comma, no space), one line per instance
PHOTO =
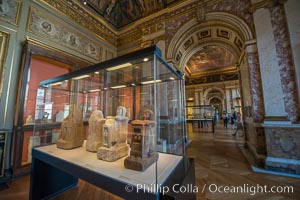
234,118
239,124
225,119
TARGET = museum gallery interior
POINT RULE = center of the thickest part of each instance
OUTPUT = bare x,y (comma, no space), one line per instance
106,99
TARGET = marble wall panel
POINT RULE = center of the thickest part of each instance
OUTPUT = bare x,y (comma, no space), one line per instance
245,83
283,149
292,8
285,62
272,91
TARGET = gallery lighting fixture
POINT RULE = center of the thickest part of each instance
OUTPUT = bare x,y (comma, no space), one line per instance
119,86
58,83
146,59
97,72
172,78
119,66
148,82
95,90
81,77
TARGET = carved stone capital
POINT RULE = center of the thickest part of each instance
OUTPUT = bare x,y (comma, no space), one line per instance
265,4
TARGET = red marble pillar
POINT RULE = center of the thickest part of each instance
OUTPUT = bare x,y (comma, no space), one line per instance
256,86
285,62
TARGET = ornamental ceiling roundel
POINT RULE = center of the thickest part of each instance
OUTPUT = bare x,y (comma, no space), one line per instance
211,59
120,13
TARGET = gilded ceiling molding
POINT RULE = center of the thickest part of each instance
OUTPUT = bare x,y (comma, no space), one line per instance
45,27
10,11
265,4
83,18
129,37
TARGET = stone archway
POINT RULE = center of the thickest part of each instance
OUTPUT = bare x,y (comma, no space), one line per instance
219,28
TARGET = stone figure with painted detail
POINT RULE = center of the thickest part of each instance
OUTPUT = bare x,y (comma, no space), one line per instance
142,153
114,137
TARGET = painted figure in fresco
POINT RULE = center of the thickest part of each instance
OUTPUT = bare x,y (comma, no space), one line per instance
72,40
110,7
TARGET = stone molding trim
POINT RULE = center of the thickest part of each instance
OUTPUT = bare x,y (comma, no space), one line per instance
83,18
50,29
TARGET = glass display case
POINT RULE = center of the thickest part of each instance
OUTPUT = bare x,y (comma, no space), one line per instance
203,115
116,118
202,111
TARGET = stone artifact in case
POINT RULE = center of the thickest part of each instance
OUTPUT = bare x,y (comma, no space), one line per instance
142,153
71,135
95,131
114,139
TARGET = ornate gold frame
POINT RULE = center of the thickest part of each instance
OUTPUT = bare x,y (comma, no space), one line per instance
4,38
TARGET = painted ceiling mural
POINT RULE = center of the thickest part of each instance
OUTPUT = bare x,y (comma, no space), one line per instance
120,13
211,59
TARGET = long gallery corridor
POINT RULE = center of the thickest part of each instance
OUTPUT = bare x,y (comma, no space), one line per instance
219,161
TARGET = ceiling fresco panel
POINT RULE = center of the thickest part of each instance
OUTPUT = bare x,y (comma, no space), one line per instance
211,58
120,13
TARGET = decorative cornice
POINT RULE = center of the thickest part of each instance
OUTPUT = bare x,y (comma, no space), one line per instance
266,4
83,18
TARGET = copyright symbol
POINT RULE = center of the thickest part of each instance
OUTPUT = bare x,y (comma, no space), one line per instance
129,188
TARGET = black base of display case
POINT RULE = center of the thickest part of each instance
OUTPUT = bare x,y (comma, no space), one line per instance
52,175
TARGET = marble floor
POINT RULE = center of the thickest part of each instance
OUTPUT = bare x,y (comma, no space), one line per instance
221,169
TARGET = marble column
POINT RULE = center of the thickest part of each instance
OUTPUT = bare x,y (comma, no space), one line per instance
231,100
285,62
201,97
255,84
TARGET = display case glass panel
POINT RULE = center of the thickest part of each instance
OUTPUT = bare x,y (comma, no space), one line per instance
149,91
127,110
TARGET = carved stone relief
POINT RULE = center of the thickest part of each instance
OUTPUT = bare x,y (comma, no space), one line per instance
49,28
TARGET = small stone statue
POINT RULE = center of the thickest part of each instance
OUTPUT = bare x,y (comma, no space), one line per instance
114,140
96,122
29,120
142,153
71,131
